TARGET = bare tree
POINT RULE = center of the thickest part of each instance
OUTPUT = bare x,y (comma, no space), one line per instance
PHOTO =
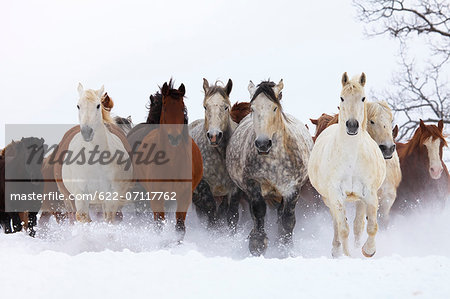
420,88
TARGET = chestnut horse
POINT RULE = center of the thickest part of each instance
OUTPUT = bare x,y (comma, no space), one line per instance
181,169
425,176
379,127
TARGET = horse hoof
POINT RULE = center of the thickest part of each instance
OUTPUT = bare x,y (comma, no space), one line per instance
367,254
258,244
82,217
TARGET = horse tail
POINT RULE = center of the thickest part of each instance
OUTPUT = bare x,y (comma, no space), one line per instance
239,111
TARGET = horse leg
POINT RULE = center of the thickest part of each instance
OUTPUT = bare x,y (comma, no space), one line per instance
32,222
233,210
387,197
82,214
358,223
110,210
16,222
341,229
369,248
6,222
258,238
204,202
159,216
183,204
287,219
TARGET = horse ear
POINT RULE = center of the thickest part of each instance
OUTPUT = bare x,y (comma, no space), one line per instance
129,118
229,87
277,88
80,89
251,88
314,121
422,125
182,89
205,85
107,102
165,89
362,79
441,125
344,79
395,132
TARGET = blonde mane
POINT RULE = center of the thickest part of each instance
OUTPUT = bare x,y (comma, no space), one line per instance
374,109
91,95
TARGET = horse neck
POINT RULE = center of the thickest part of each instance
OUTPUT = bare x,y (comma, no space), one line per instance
101,136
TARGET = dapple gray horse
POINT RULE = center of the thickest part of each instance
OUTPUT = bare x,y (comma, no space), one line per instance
267,158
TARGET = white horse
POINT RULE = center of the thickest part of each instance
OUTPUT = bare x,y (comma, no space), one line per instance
103,179
346,164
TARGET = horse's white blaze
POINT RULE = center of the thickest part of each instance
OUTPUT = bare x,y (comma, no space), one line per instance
345,167
433,147
86,178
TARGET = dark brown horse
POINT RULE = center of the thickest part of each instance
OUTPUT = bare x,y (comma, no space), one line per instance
425,178
180,167
20,175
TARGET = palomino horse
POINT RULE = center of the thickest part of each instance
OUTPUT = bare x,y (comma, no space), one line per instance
212,136
267,158
347,164
20,162
181,154
379,127
426,181
106,176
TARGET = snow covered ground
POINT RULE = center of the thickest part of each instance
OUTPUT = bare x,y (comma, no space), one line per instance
128,260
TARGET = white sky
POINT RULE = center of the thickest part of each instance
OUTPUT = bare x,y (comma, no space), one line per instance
131,47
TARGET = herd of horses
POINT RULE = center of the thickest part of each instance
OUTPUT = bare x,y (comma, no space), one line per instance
241,157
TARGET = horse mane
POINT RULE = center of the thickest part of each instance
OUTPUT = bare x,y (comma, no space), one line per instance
173,92
106,103
154,107
217,88
419,137
266,87
156,102
239,111
376,108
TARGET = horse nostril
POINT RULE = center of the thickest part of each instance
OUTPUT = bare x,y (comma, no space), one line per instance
393,148
383,147
219,136
207,135
269,143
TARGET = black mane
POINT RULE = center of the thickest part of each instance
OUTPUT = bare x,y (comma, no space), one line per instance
266,87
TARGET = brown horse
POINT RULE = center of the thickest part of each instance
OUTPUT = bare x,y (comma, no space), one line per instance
180,170
239,111
426,180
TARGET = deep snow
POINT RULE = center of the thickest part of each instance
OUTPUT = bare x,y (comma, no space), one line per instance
126,260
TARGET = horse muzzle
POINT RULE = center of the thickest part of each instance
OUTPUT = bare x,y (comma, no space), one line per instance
174,140
214,137
387,151
87,132
436,172
263,145
352,126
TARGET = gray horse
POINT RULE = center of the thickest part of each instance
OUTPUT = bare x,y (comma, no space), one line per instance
267,157
216,197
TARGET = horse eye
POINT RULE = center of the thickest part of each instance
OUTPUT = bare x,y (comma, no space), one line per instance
78,106
363,99
98,106
226,107
372,122
204,107
342,99
275,109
